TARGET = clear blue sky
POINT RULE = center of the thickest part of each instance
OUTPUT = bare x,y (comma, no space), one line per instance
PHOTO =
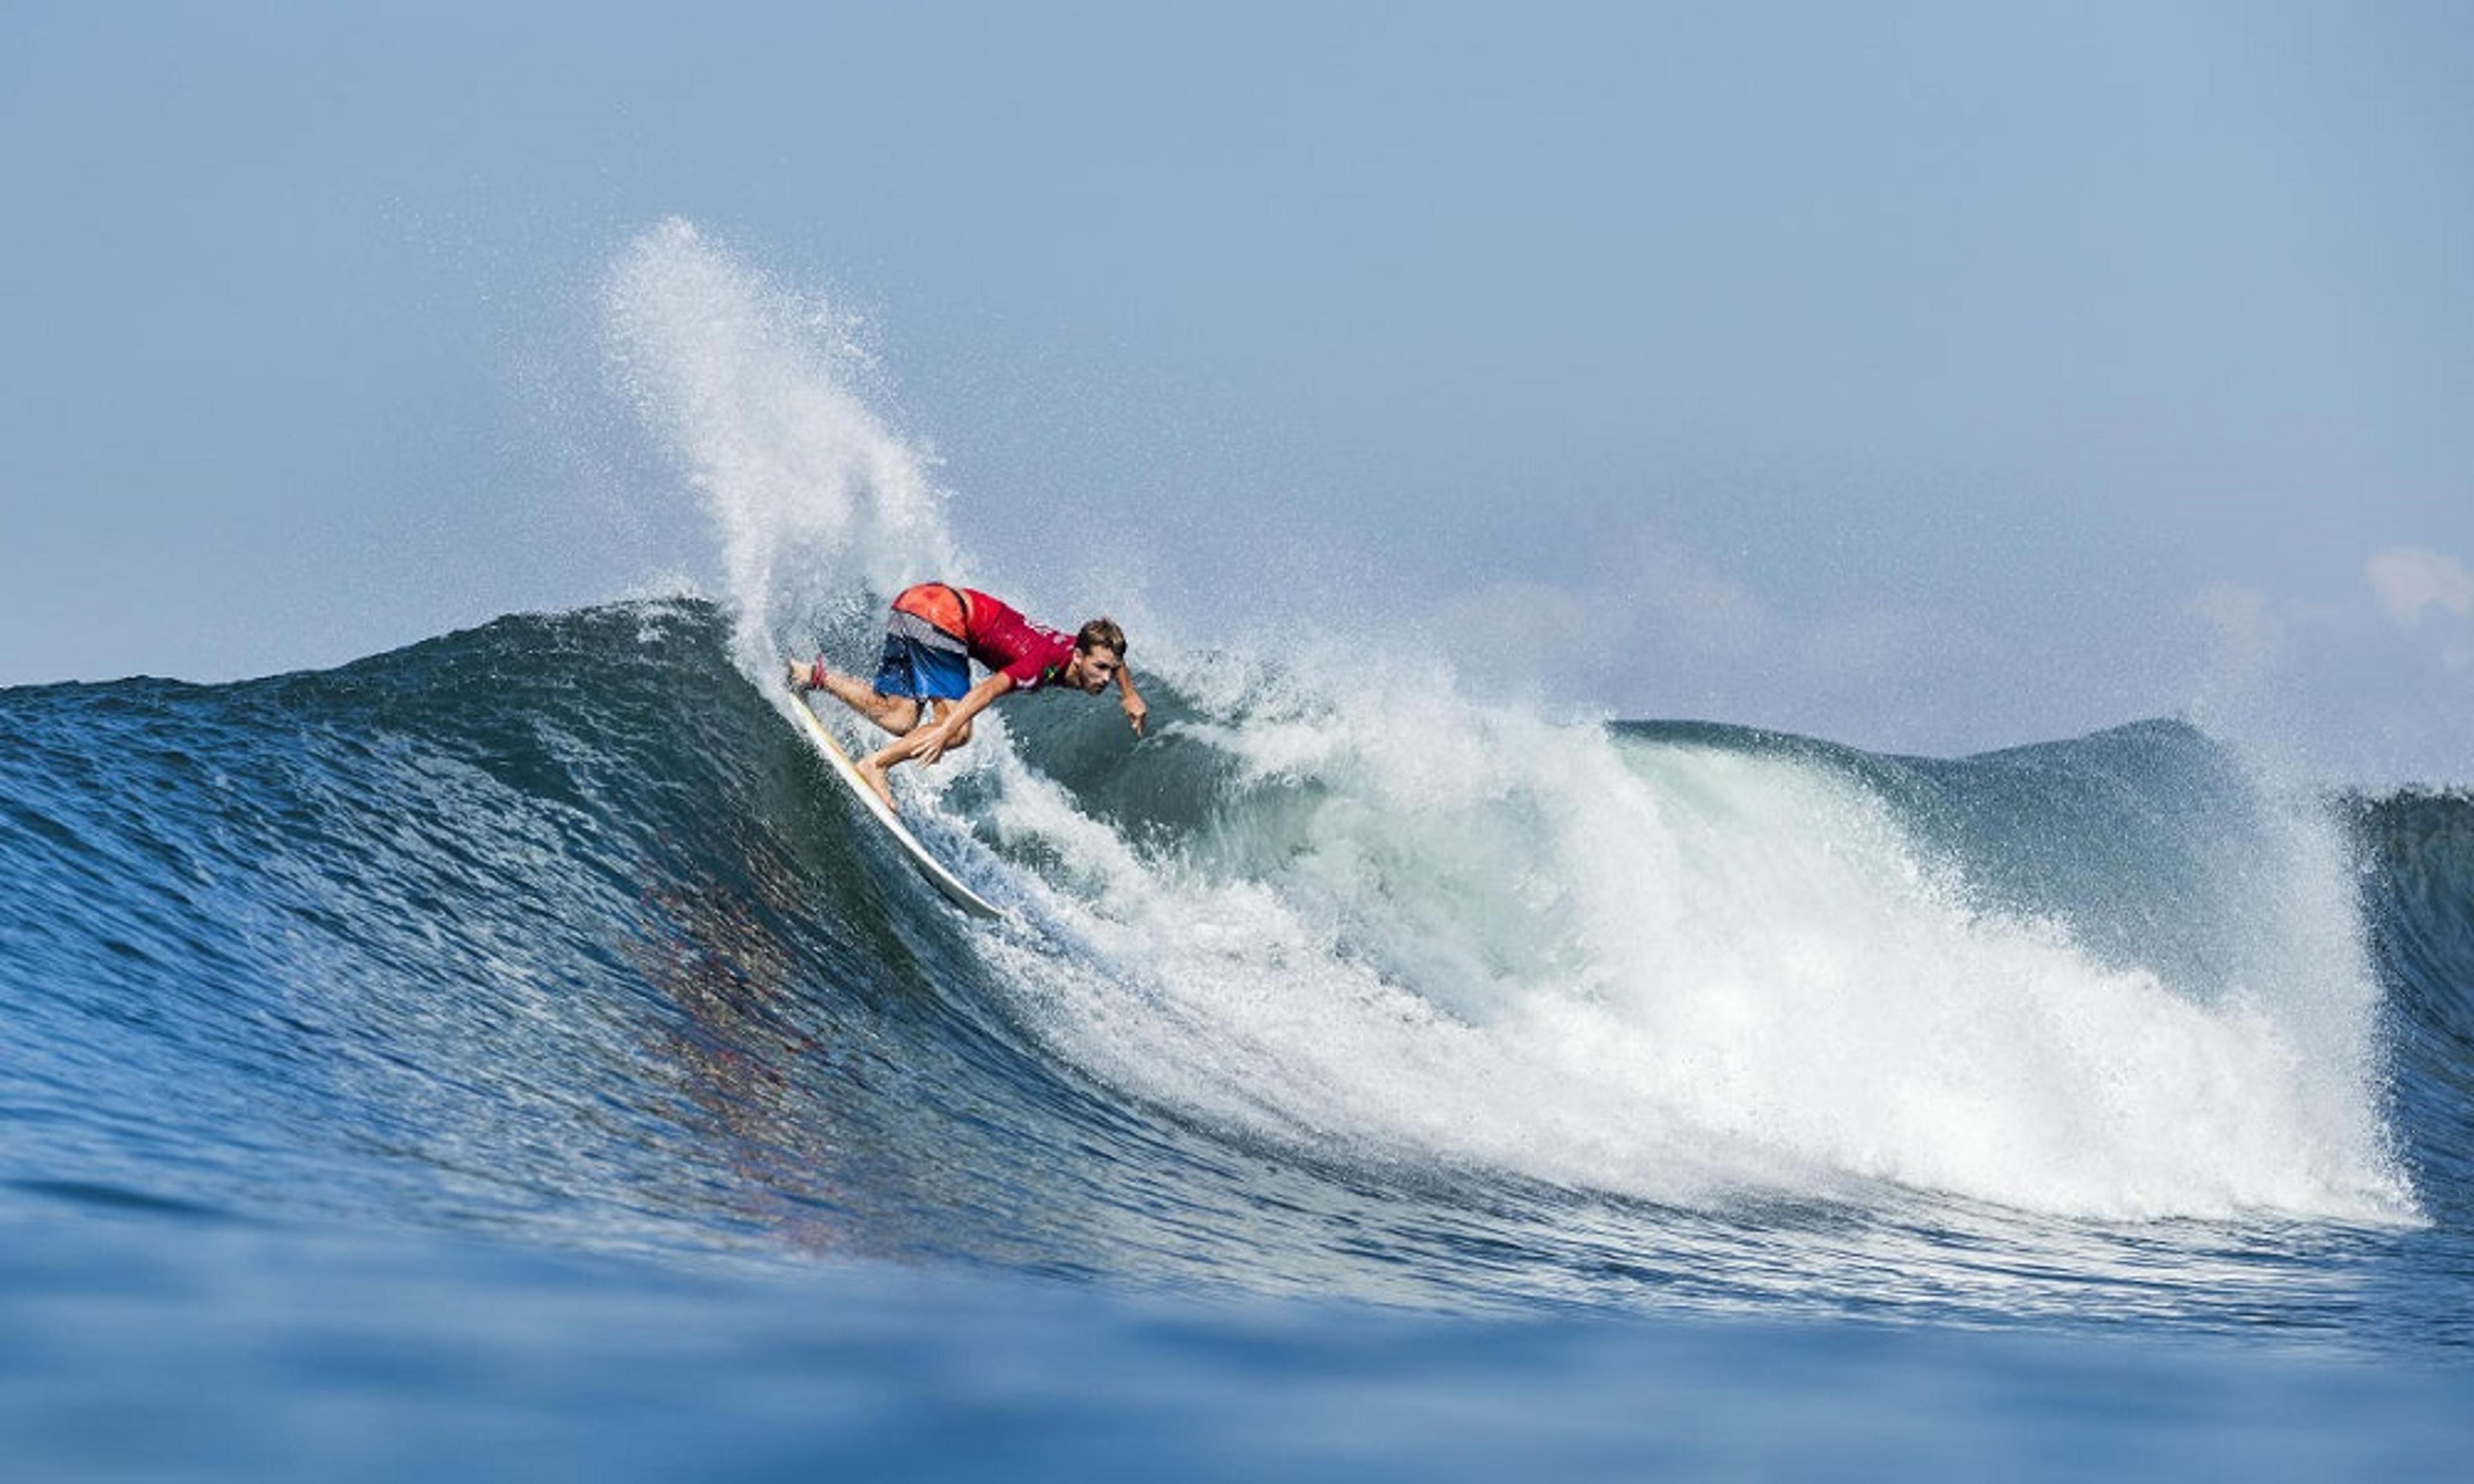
1929,376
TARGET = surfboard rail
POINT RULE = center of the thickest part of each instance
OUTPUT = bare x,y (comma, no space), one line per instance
938,873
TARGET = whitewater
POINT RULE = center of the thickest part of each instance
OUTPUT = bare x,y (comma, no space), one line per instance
540,975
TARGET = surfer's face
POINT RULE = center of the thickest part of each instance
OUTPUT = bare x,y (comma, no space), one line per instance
1092,669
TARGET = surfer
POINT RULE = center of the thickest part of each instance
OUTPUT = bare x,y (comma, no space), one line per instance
923,693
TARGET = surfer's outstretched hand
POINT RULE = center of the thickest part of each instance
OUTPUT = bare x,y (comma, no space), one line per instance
1135,711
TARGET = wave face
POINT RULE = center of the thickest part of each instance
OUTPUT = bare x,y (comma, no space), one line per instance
555,928
1343,982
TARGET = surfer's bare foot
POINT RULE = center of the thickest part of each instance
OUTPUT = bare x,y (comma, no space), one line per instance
875,779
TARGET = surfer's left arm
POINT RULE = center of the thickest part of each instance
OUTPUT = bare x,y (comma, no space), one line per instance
1130,698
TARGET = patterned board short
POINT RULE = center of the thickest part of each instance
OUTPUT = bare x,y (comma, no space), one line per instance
922,661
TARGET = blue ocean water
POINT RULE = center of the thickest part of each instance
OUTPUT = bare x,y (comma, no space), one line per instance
515,1051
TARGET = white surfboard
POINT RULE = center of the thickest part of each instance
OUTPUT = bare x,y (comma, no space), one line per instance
929,866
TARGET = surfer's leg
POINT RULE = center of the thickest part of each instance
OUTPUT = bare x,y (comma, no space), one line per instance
877,764
896,714
873,775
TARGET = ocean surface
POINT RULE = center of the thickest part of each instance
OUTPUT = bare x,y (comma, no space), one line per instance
515,1053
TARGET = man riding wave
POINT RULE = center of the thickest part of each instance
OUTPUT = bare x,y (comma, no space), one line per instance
923,693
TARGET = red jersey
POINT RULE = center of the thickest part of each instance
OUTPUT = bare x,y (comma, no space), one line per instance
1030,655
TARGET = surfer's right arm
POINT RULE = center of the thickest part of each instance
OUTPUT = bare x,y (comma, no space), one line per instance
929,743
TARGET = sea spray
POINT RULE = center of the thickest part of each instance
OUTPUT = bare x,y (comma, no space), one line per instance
756,390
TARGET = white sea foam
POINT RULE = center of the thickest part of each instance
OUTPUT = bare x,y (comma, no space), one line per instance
1676,971
1428,930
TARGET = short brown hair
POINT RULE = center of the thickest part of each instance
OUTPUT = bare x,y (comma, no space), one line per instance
1101,632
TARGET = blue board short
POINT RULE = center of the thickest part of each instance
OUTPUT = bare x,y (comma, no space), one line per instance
922,661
